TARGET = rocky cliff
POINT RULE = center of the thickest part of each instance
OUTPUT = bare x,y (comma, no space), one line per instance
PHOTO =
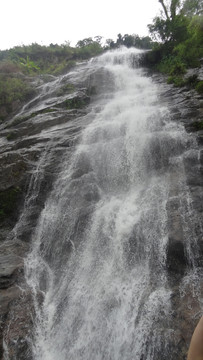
31,144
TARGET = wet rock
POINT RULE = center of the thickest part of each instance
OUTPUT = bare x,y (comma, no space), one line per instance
6,297
185,316
197,72
26,139
193,168
200,137
18,332
176,260
9,203
10,266
23,144
13,168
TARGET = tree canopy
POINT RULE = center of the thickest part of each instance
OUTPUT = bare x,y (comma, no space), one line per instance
179,32
172,24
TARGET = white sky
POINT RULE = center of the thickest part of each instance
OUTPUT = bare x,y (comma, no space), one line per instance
48,21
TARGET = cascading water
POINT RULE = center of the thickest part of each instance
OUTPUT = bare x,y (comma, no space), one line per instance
97,268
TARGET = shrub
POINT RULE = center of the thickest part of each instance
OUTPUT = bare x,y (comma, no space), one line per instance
178,81
199,87
177,68
76,103
192,80
172,65
68,88
12,90
8,67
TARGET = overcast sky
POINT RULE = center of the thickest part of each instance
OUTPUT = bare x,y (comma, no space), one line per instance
47,21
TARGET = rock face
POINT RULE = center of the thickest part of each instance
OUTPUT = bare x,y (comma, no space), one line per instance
24,184
187,109
26,177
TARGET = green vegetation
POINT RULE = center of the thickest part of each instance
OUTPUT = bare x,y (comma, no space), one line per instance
20,63
130,41
180,30
199,87
177,45
76,103
29,65
13,90
11,136
66,89
53,59
176,80
197,125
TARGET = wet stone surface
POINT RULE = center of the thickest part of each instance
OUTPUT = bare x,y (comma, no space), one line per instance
31,147
40,134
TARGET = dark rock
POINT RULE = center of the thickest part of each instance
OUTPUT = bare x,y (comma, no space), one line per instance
10,265
18,329
26,178
197,72
6,297
176,259
13,168
29,164
200,137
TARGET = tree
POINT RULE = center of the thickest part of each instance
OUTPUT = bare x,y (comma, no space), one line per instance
164,8
128,40
84,42
29,65
180,28
171,11
173,25
98,39
119,40
110,44
175,4
192,7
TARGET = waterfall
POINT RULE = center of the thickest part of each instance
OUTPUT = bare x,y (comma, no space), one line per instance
98,263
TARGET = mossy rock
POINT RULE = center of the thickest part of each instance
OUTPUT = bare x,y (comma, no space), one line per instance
77,102
197,125
68,88
177,81
192,80
12,136
199,87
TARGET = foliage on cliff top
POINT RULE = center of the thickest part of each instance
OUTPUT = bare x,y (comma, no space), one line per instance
13,91
180,30
52,59
130,41
55,59
20,62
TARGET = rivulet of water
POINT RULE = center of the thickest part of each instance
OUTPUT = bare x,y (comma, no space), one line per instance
97,267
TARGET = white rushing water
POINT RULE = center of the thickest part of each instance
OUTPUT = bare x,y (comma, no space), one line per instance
99,249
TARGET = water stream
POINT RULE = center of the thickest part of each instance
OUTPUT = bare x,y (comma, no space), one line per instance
97,267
